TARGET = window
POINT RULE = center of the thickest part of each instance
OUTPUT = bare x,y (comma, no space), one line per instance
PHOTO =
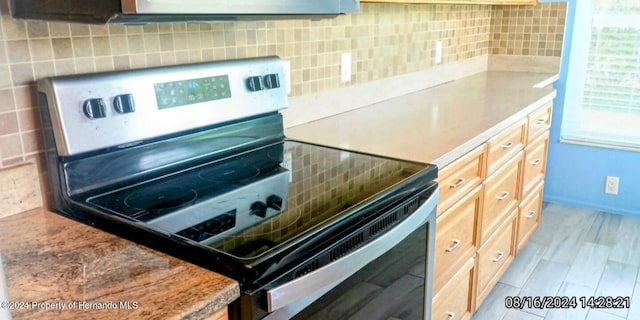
602,103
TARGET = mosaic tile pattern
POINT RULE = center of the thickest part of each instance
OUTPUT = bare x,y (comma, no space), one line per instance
528,30
385,40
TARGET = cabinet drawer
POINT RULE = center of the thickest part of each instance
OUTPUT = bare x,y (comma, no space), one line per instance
504,145
494,257
529,215
221,314
456,237
539,121
459,177
500,196
535,163
455,299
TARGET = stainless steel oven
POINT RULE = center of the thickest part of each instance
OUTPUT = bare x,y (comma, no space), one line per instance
192,160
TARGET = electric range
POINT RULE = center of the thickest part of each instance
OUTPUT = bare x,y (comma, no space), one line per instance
192,160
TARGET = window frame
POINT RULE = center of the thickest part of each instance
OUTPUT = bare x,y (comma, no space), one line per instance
573,114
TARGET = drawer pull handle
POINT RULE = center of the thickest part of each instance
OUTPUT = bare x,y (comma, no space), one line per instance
503,196
536,163
507,146
530,215
499,257
451,315
540,121
458,183
454,246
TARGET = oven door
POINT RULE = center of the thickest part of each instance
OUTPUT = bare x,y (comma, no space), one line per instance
388,278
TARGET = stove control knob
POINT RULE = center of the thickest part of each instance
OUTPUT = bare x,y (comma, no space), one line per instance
274,202
124,103
254,83
271,81
259,209
94,108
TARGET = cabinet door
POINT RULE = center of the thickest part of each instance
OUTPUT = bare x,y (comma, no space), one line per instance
456,237
494,257
535,164
504,2
387,1
529,215
455,300
460,177
221,314
507,2
539,121
505,145
501,196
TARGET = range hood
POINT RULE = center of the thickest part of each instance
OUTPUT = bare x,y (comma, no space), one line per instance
147,11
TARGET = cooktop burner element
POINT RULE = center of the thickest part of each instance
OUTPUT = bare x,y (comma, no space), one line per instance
207,181
161,198
229,173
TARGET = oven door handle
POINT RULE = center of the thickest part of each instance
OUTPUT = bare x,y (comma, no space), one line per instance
327,277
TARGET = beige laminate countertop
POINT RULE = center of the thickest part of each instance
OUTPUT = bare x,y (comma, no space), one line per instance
436,125
50,259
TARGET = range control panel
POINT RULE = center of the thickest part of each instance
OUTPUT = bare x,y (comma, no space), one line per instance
185,92
104,110
213,219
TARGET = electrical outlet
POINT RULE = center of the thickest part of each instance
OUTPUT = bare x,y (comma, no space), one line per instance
611,185
438,57
345,67
286,70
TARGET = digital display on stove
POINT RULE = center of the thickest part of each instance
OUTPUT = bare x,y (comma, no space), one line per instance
186,92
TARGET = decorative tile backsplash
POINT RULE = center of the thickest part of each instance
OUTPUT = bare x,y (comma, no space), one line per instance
528,30
385,40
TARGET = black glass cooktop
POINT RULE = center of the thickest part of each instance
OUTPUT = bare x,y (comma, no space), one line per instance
325,183
320,186
183,189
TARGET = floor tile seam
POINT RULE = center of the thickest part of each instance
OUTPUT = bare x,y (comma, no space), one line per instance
595,293
556,292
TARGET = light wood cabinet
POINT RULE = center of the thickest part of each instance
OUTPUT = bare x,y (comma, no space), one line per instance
500,195
387,1
491,202
529,215
494,2
456,239
455,300
535,163
539,121
495,256
460,177
221,314
505,145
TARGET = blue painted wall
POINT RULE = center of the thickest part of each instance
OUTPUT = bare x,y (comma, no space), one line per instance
576,174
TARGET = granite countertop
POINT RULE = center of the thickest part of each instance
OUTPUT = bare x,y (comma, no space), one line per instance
435,125
51,261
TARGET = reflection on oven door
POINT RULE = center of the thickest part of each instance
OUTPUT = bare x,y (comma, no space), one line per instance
389,278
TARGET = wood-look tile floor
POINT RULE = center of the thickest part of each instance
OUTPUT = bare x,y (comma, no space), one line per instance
574,252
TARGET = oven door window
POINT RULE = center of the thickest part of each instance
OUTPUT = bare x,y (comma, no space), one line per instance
390,287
